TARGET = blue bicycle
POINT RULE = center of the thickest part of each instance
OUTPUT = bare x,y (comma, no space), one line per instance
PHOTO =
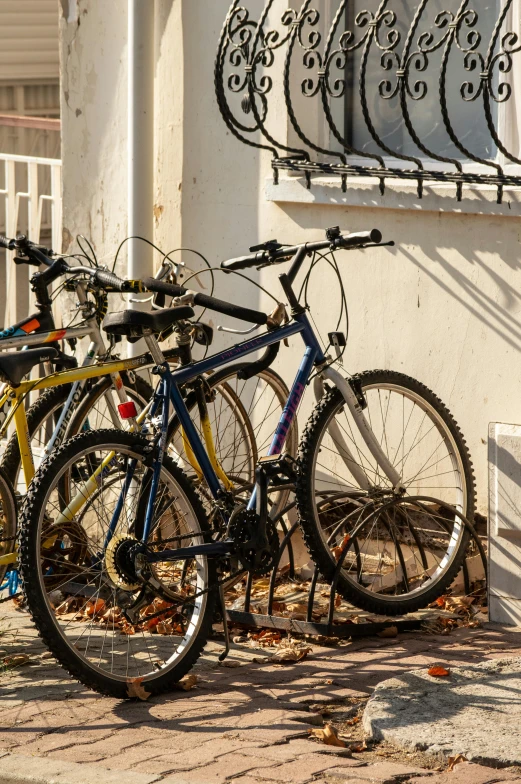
123,566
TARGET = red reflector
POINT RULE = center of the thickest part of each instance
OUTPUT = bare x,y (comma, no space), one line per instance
127,410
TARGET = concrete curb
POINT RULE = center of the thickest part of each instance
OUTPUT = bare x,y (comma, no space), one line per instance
21,769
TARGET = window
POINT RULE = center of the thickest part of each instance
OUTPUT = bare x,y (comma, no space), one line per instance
421,89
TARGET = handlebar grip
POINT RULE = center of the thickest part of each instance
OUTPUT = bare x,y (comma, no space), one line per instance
243,262
359,238
205,301
5,243
111,281
161,287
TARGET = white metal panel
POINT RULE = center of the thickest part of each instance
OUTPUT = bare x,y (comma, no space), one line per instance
29,39
504,454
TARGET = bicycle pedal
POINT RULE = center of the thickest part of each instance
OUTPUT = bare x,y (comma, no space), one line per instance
277,466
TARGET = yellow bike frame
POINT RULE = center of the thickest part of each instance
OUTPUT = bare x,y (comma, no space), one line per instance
16,395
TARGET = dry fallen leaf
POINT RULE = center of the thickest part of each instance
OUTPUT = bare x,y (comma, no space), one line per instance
297,608
328,735
337,551
187,683
455,761
135,689
358,747
389,631
354,720
95,607
290,654
438,672
18,660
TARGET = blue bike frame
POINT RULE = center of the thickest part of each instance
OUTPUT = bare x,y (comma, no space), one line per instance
169,390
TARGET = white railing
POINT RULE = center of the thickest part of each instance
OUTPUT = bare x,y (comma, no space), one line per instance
29,185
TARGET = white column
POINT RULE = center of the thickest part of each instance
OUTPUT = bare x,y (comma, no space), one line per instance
140,142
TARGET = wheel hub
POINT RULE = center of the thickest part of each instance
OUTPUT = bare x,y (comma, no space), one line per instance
119,562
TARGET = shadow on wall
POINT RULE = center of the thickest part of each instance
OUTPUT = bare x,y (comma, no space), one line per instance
450,249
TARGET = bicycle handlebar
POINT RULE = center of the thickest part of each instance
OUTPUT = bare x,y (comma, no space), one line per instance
204,300
111,282
5,243
36,254
346,242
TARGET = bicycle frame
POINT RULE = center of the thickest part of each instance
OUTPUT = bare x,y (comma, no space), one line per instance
18,337
169,391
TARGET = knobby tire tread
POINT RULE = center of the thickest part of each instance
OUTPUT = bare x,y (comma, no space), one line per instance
29,558
320,552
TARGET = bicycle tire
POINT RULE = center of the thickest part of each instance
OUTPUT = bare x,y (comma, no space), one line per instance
318,538
33,519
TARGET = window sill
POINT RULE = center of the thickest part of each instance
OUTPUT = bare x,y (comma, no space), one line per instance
398,195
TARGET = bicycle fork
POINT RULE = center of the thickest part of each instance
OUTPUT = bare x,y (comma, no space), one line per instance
365,431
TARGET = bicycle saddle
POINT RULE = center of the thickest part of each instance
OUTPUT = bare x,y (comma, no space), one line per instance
135,323
16,364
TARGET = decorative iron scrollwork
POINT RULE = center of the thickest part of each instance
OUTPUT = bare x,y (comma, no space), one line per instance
333,88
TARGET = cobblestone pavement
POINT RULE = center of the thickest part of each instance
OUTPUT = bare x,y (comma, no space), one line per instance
246,723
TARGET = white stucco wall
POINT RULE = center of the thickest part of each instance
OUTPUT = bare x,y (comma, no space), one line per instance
443,305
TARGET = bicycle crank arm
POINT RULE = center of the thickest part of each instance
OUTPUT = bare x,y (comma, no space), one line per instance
211,550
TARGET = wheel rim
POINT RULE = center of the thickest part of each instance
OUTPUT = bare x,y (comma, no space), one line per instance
386,551
102,641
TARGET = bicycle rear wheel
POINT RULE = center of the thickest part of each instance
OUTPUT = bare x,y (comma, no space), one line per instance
243,415
78,574
399,559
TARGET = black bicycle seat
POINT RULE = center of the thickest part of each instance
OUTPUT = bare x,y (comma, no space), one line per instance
16,364
135,323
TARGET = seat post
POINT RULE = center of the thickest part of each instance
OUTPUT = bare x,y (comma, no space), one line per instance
153,347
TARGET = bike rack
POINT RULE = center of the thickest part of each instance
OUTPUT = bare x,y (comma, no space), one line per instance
334,627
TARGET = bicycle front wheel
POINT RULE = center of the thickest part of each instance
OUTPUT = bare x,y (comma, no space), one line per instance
397,560
78,575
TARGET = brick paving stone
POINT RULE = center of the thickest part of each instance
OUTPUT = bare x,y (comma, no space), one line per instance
225,768
76,754
133,756
341,776
207,753
469,773
295,748
302,769
57,740
384,773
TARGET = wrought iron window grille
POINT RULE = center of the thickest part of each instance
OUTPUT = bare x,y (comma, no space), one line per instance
262,65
